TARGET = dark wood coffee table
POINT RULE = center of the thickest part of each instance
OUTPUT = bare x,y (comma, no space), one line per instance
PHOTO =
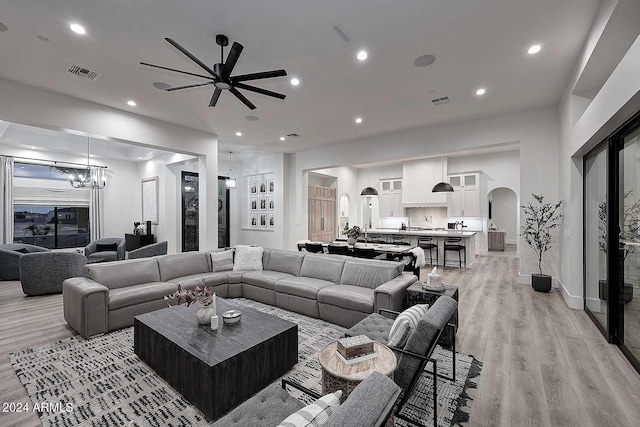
216,370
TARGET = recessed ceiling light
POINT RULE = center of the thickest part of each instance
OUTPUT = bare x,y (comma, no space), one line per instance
359,120
534,49
252,118
131,103
91,155
78,29
295,82
238,133
139,158
282,138
481,91
362,55
424,60
33,148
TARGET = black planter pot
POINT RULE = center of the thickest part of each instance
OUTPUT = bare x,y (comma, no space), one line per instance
626,295
541,282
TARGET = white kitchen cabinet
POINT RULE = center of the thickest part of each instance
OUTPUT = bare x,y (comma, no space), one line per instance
418,178
465,199
390,198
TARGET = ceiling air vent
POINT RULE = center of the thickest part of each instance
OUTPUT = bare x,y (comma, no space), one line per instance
83,72
440,101
293,135
340,32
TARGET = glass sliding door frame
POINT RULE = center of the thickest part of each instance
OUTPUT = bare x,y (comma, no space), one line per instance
614,330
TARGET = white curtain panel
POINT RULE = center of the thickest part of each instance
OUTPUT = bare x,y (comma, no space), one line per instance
95,206
6,199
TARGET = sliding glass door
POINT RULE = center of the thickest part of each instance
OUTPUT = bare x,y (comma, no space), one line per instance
612,238
595,236
629,240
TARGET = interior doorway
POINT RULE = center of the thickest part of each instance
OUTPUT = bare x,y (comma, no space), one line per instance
503,216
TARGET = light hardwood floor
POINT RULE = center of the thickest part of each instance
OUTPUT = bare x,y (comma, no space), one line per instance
544,364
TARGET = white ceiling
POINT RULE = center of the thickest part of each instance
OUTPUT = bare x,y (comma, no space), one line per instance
480,43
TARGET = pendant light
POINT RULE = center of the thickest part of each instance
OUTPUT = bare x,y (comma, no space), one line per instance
369,191
87,179
442,187
230,181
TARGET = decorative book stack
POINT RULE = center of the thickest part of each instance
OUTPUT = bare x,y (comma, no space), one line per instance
355,349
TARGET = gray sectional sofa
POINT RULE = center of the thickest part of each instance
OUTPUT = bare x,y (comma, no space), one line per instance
341,290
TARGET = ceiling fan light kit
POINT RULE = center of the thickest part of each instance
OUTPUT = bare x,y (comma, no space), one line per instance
220,75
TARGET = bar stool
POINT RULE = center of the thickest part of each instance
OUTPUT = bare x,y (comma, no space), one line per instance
397,239
427,243
454,244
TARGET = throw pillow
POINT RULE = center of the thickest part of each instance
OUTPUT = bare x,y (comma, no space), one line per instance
315,414
222,261
405,323
106,247
23,250
248,258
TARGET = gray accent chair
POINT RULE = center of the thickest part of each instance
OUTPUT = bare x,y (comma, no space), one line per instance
413,357
94,256
154,249
369,404
42,273
10,259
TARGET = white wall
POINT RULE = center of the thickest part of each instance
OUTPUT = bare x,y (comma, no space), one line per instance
240,232
504,212
536,131
583,127
38,107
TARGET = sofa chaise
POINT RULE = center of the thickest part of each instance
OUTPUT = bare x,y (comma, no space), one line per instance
339,289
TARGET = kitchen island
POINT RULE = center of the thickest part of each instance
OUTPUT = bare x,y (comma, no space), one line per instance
411,236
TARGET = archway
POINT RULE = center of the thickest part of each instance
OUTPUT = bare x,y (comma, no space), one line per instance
503,212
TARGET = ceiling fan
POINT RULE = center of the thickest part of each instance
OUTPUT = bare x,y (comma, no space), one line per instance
220,74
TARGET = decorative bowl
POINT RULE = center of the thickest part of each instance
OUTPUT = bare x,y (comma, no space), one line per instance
231,317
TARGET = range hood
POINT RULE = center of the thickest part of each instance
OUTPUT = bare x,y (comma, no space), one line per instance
418,178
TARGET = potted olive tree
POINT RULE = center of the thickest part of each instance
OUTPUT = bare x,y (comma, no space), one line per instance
628,233
540,218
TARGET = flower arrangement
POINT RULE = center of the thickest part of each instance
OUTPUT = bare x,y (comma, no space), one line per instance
204,295
354,232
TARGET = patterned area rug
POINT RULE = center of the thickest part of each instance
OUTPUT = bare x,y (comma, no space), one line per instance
102,382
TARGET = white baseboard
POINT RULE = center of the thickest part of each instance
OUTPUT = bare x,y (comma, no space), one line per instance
572,301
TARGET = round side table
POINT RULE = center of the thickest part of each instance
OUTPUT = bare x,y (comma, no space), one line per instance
337,375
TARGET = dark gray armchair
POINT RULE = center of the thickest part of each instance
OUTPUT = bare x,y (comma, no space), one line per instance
10,259
153,249
99,251
42,273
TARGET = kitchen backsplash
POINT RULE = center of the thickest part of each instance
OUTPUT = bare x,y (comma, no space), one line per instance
427,217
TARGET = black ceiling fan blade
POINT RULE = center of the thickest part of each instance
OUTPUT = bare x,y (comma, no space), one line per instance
242,98
191,56
257,76
232,58
214,97
260,90
171,89
174,70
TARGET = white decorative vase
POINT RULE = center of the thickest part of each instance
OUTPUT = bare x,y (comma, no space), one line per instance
351,241
204,315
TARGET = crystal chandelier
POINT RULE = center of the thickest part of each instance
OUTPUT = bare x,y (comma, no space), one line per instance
88,178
